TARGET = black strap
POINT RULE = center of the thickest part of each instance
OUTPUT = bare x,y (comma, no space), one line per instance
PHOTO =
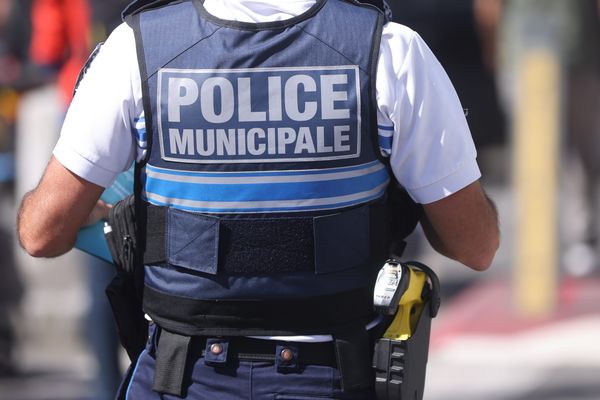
141,5
353,353
171,360
313,315
290,243
251,349
129,318
321,244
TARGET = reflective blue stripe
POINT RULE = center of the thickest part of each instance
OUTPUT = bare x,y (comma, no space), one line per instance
262,173
298,208
385,128
263,192
140,129
385,143
264,189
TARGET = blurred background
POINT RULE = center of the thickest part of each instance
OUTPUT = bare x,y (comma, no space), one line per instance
528,75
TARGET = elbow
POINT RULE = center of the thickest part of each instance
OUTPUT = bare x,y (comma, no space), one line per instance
481,263
42,246
33,247
481,259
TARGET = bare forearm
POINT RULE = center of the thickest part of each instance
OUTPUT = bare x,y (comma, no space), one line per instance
464,227
51,215
39,235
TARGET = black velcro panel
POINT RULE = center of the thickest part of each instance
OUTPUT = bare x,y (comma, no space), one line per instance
261,246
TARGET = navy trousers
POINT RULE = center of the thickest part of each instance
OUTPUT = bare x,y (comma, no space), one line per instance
242,380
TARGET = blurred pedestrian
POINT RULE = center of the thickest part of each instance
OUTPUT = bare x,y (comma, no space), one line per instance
572,30
450,29
60,45
11,289
583,124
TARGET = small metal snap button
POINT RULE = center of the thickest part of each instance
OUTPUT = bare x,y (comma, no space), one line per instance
287,355
216,348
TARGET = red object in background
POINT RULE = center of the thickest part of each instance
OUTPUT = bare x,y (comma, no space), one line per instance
60,38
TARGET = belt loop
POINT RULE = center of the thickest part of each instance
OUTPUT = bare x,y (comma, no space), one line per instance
286,358
215,352
171,360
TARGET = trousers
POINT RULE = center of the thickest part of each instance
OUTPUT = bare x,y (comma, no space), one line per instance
241,380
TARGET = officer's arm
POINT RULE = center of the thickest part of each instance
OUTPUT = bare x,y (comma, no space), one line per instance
464,227
51,214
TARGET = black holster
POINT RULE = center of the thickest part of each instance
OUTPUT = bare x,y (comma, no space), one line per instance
123,292
400,365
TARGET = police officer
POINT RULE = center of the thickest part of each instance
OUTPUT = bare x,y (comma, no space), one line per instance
266,135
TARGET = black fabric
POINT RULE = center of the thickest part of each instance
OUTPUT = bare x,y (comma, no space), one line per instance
404,214
133,20
353,353
122,240
266,246
250,349
155,223
128,315
373,73
171,360
86,66
140,5
125,302
313,315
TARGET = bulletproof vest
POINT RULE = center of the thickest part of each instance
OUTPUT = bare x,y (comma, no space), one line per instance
264,199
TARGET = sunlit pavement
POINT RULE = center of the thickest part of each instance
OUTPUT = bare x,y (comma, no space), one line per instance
482,350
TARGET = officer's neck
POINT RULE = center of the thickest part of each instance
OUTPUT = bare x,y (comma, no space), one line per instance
257,10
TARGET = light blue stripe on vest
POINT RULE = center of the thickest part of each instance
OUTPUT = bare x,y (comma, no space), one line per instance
386,137
272,191
140,131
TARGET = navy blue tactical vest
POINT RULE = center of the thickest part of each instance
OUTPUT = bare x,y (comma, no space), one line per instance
263,190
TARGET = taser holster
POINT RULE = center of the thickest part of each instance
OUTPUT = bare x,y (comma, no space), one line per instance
400,356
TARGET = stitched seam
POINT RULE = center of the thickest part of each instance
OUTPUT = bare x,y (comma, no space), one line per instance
183,51
332,48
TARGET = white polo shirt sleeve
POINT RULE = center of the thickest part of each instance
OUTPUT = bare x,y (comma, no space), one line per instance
422,126
97,140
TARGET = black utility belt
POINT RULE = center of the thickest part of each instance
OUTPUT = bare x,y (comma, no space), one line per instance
320,244
220,350
175,352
